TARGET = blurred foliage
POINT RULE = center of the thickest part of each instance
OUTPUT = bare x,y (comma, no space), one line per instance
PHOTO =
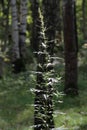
16,100
16,91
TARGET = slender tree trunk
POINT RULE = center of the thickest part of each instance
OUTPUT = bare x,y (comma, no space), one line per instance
19,35
23,27
58,23
71,47
15,32
5,10
22,33
1,67
4,39
49,12
35,26
84,28
15,38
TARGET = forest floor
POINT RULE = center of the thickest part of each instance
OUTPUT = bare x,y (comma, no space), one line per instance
72,113
16,102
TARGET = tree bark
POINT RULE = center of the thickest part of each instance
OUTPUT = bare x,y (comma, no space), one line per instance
49,13
58,23
19,35
15,31
35,25
71,47
22,28
1,67
84,28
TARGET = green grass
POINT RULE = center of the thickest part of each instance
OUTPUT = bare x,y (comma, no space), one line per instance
16,109
72,113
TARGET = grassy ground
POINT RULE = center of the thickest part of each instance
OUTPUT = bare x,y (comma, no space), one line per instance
16,103
72,113
16,109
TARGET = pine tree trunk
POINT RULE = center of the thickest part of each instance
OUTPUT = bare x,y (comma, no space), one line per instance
71,47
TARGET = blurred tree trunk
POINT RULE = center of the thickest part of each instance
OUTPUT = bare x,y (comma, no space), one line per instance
1,67
5,10
22,30
4,31
19,35
5,23
71,47
58,23
36,25
15,36
84,20
49,13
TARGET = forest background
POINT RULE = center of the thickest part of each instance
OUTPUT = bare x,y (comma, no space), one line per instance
21,40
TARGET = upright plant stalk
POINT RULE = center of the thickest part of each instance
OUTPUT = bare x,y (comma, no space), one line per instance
43,118
71,47
40,93
50,18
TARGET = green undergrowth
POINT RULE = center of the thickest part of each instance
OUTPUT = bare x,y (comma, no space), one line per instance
72,113
17,99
